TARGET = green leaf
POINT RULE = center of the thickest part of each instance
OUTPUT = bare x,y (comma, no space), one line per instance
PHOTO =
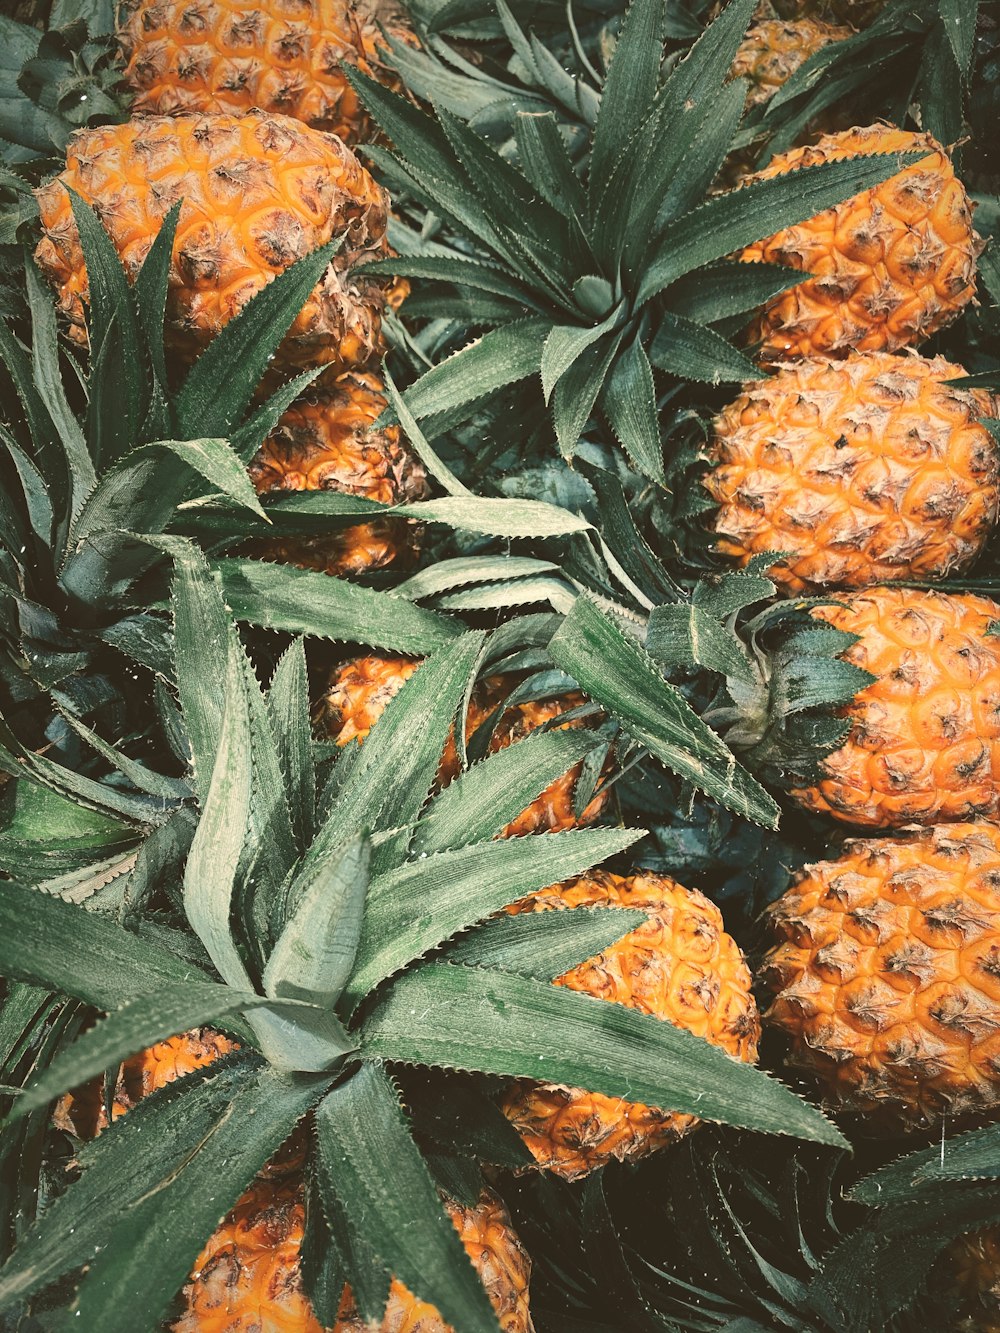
629,403
463,570
288,708
503,356
726,594
501,1023
315,952
617,674
972,1156
693,352
727,288
218,463
418,443
301,601
498,518
547,164
544,945
629,88
418,906
731,221
480,803
367,1153
566,343
578,389
688,636
80,953
213,397
150,288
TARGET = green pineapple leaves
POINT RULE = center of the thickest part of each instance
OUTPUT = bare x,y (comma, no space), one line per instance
580,273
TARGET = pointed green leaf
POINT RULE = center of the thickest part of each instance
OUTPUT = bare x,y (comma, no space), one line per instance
544,945
693,352
688,636
288,708
578,389
501,357
629,403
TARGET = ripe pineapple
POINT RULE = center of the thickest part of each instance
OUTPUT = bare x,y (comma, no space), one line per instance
887,976
773,50
361,688
975,1263
891,266
325,441
924,744
281,56
865,470
259,191
680,967
83,1113
248,1280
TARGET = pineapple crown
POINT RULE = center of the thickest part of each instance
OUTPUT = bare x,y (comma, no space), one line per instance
336,915
593,285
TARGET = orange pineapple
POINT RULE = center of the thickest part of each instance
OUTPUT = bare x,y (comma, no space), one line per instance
924,744
248,1279
865,470
282,56
259,192
890,266
325,441
681,967
773,50
83,1113
360,689
887,975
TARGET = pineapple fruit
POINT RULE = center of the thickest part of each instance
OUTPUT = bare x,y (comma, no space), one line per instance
282,56
360,689
889,267
83,1113
975,1266
247,1279
773,50
865,470
924,744
259,192
887,975
681,967
325,441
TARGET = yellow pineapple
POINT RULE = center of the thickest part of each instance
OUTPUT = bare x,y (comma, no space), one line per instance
283,56
259,192
681,967
248,1280
865,470
887,975
890,266
360,689
325,441
773,50
924,744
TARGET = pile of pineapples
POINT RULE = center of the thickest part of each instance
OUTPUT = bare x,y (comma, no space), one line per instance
466,469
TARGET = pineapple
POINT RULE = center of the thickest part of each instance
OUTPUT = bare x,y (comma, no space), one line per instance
865,470
83,1114
924,744
282,56
247,1279
890,266
773,50
887,975
325,441
259,192
359,690
975,1262
681,967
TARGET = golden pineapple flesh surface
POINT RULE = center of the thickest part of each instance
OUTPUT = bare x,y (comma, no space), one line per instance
282,56
924,744
890,266
681,967
359,690
248,1277
83,1112
887,976
260,191
866,470
325,442
773,50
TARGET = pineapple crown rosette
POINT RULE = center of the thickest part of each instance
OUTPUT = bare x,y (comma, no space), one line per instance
337,923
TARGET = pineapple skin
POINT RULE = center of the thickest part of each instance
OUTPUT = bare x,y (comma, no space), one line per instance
866,470
325,441
887,976
924,744
359,690
248,1278
259,191
892,265
773,50
681,967
82,1112
281,56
